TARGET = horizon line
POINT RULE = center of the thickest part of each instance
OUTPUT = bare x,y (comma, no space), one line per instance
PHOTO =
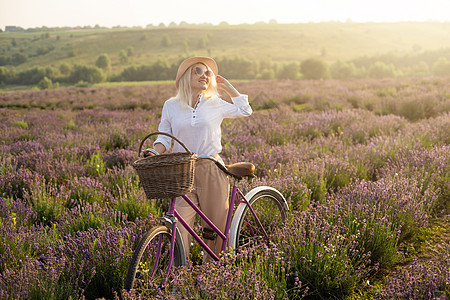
222,23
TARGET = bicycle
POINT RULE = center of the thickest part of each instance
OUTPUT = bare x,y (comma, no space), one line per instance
256,215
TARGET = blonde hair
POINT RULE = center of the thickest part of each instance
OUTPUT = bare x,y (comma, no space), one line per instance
184,92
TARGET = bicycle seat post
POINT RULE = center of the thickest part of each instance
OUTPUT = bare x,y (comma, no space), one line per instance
230,213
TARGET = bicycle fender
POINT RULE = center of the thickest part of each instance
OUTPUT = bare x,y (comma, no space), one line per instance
250,194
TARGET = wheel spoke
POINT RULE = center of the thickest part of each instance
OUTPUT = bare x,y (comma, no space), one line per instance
269,208
148,267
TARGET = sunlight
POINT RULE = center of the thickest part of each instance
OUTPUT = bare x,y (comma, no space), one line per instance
28,13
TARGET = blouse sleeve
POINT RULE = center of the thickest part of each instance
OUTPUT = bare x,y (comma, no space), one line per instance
239,108
166,127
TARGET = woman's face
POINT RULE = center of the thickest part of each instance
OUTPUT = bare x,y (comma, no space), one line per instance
200,77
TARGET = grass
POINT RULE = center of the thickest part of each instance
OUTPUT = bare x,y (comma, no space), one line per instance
102,84
131,83
277,42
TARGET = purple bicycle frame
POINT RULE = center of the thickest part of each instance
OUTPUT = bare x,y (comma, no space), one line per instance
235,193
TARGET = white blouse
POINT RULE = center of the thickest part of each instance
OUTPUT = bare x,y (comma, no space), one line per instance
199,127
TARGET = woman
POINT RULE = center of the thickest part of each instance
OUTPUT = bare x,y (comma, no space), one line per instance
194,116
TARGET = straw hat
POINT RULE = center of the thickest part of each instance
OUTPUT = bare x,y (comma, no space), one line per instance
192,61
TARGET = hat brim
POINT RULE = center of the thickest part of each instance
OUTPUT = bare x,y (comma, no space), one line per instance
211,63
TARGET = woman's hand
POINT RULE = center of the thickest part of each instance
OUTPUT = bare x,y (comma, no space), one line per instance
225,85
149,152
159,148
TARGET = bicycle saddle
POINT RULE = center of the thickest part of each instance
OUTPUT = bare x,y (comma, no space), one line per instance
237,170
241,169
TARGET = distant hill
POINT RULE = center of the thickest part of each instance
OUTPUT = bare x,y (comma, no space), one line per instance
259,42
82,56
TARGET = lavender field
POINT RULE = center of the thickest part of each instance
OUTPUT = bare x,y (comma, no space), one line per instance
363,164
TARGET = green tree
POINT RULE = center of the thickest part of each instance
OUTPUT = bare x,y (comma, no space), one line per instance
89,74
289,71
313,68
45,83
266,74
160,70
7,75
441,67
19,58
342,70
381,70
103,62
267,64
64,68
237,67
34,75
123,57
4,60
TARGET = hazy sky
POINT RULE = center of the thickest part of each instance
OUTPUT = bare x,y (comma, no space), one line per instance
53,13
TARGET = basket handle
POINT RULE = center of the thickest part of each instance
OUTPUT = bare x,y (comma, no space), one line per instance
163,133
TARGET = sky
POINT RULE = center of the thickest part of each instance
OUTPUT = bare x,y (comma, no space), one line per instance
109,13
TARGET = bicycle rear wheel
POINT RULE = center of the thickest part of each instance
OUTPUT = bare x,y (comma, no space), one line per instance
270,208
150,261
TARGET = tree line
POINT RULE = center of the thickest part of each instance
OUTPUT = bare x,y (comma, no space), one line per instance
236,68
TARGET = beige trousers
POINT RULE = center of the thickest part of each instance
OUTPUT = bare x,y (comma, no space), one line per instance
210,194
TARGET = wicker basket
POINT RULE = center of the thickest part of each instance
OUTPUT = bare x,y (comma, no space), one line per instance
166,175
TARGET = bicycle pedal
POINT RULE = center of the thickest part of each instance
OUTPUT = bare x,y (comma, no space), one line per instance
209,234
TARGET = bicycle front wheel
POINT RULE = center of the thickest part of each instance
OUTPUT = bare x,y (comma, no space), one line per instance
270,208
148,268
